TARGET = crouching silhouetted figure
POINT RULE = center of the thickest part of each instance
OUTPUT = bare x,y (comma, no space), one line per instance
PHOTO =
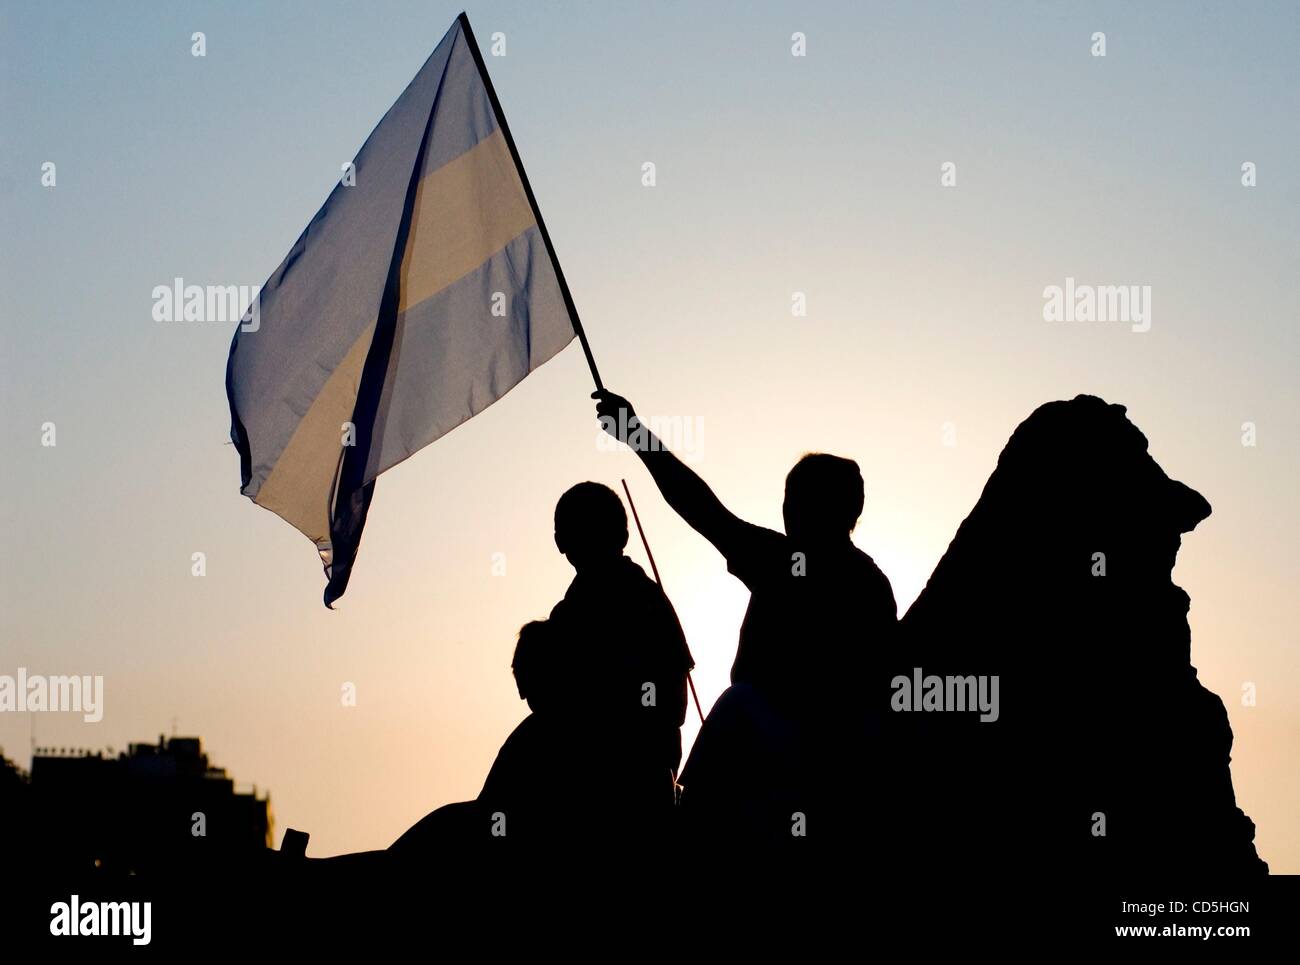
526,780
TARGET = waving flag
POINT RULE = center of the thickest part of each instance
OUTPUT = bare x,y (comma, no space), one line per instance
422,292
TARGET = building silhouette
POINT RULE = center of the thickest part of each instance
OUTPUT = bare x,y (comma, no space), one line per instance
155,807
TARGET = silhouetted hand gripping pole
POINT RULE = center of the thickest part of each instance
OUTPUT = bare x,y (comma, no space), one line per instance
683,490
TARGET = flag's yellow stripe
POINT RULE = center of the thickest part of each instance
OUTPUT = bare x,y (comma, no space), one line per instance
301,482
465,212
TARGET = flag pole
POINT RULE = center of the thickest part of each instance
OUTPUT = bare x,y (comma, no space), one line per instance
655,570
569,306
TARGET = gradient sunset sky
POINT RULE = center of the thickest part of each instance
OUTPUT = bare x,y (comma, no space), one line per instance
775,175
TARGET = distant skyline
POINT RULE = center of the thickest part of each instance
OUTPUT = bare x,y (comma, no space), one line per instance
923,345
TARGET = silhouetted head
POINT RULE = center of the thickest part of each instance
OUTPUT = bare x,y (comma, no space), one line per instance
823,498
590,525
531,665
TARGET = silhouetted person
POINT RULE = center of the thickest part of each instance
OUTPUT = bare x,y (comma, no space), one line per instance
620,650
526,779
605,679
789,736
818,603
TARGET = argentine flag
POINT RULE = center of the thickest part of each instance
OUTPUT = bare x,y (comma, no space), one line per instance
417,296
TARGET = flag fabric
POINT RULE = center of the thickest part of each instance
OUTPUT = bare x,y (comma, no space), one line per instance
423,290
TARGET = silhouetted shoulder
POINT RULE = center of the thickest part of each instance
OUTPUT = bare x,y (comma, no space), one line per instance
658,617
882,591
756,555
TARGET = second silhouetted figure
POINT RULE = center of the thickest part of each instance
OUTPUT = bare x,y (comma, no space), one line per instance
818,603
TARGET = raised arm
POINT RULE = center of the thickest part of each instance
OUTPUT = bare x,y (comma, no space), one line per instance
683,490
